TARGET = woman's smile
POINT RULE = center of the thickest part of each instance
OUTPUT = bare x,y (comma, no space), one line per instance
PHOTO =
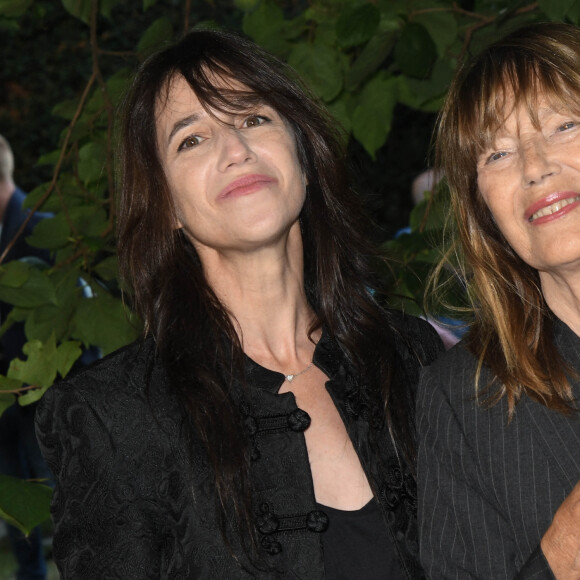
245,185
552,207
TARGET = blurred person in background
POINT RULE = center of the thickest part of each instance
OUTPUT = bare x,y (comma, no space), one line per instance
19,452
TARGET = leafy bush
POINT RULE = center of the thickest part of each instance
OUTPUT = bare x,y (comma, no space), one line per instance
361,58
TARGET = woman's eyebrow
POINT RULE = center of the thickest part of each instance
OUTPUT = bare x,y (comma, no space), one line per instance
182,123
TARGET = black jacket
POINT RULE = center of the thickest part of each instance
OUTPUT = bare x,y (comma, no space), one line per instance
132,503
488,489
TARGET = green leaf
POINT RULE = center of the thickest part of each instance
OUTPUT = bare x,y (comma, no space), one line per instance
339,110
415,51
92,162
17,315
51,233
7,384
70,194
48,319
36,291
89,221
67,354
321,68
159,32
108,269
430,215
574,13
372,117
556,9
24,504
247,5
117,84
428,94
295,27
14,8
39,369
371,57
357,25
103,321
393,8
14,274
441,26
80,9
65,109
267,27
106,6
32,396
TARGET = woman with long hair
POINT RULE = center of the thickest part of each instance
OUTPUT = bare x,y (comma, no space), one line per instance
498,423
263,427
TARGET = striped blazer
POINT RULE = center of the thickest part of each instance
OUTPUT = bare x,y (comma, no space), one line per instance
488,489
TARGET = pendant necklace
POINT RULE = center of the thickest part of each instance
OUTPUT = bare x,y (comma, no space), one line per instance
290,378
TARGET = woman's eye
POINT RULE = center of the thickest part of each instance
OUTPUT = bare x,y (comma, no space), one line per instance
495,156
189,142
254,121
566,126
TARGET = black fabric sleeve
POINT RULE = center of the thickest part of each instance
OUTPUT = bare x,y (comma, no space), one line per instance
102,526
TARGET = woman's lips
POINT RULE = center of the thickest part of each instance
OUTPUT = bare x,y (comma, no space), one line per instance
552,206
245,185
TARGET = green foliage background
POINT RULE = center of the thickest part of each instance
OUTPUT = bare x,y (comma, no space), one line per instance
380,66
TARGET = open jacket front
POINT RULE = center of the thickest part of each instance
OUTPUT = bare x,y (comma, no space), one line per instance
131,502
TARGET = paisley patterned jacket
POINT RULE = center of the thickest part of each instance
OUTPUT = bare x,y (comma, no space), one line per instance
132,503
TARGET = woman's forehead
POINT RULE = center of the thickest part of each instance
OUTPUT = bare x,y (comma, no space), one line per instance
217,91
509,107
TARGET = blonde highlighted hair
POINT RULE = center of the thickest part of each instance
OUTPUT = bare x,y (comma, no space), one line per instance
512,328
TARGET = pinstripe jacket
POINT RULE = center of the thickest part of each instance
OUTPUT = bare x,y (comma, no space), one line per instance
488,489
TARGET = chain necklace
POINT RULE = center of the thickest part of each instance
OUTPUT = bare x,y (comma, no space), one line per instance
290,378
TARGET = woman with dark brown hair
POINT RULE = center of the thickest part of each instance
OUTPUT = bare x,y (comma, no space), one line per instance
263,427
498,422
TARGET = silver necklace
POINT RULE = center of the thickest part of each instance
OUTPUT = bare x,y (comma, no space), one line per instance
290,378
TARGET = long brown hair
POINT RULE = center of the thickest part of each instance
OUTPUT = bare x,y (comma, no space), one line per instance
195,338
512,328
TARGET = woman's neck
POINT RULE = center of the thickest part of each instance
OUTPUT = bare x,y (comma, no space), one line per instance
264,292
562,295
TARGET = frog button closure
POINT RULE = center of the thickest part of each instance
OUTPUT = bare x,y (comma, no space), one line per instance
298,420
317,521
267,522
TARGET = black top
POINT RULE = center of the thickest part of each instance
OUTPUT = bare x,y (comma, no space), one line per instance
357,545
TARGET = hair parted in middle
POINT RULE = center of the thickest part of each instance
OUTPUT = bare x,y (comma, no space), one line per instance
169,290
511,332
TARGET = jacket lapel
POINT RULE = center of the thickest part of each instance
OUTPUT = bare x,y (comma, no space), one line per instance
557,433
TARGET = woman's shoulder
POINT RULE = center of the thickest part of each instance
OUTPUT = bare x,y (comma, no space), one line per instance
453,376
415,337
123,372
458,356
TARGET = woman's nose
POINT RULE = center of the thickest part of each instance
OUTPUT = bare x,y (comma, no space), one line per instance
234,149
538,163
